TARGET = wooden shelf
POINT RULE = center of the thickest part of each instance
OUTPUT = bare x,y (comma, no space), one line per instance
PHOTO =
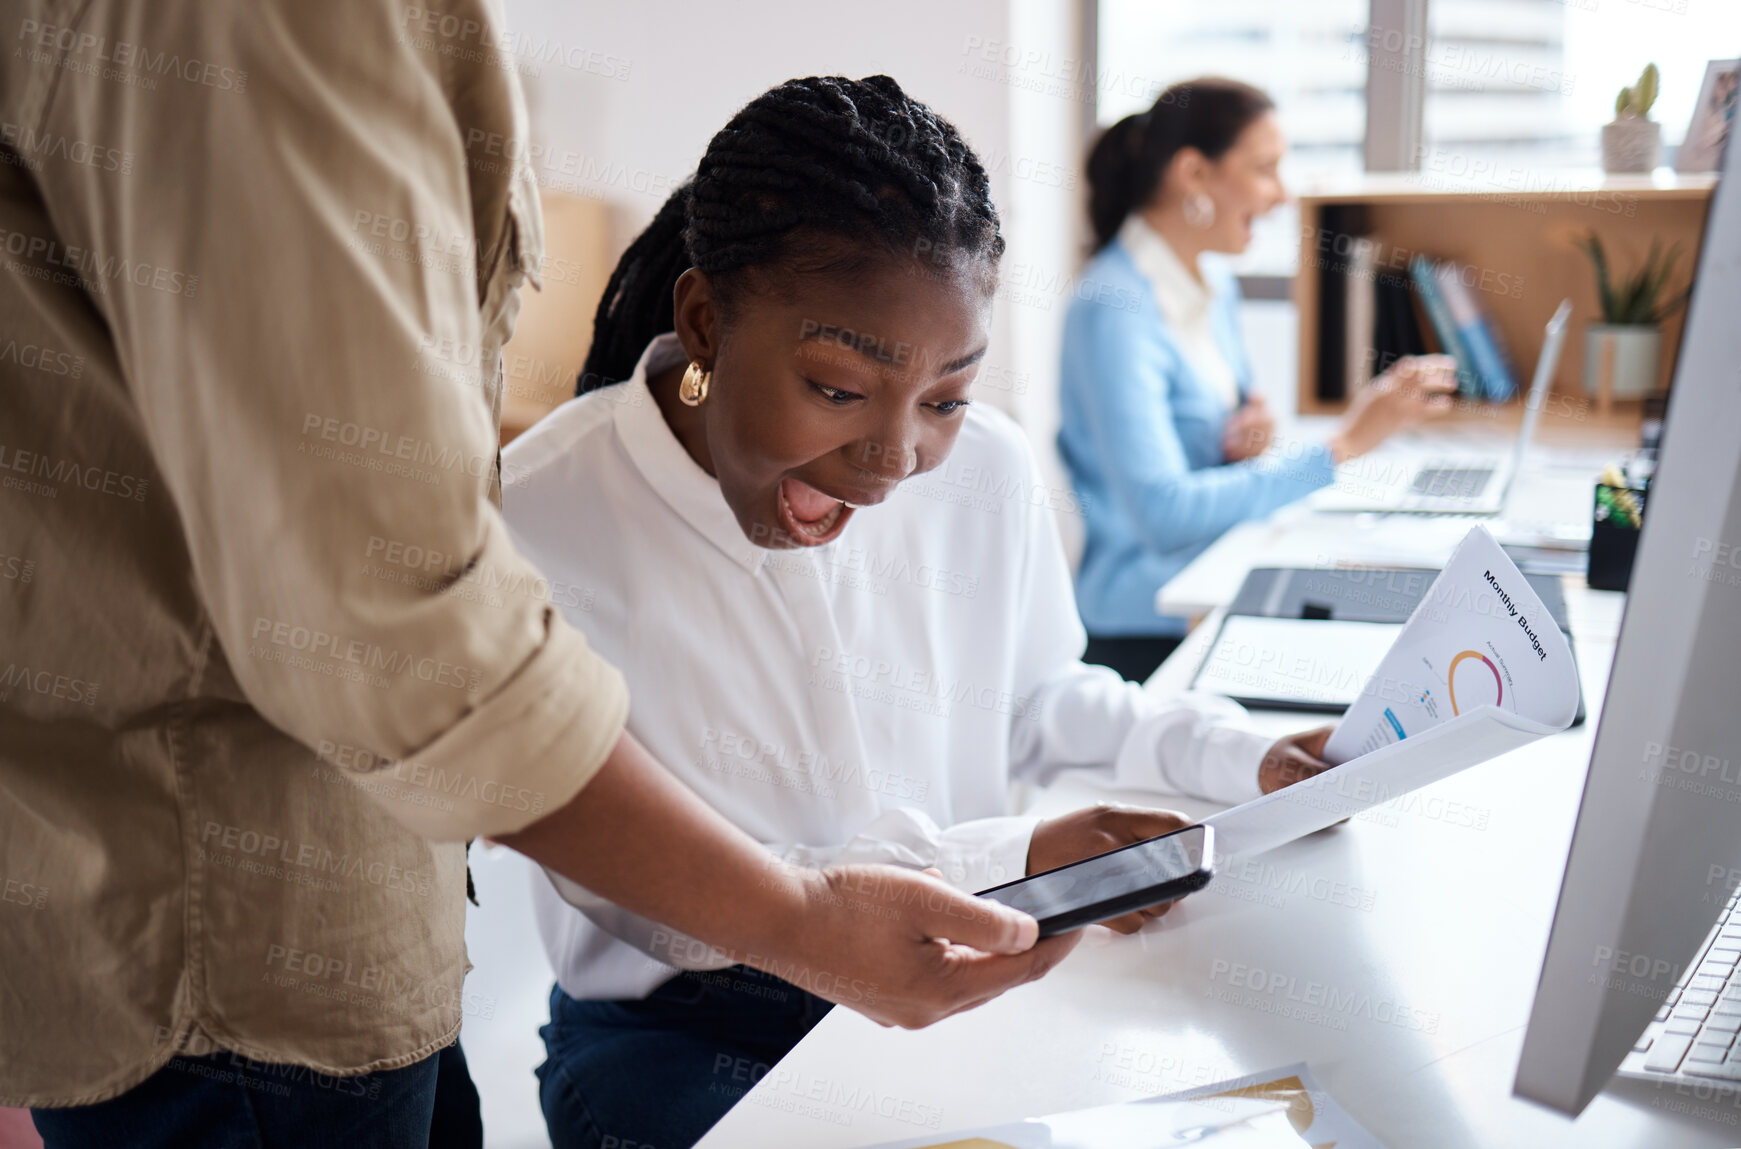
1520,245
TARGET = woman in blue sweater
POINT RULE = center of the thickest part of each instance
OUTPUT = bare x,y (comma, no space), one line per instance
1166,444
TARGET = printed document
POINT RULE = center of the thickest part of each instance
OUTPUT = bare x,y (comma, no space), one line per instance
1479,669
1480,637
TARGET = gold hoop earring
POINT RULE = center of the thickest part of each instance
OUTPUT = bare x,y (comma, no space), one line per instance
693,389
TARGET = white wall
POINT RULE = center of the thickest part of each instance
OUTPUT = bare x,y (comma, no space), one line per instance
633,123
1052,102
625,96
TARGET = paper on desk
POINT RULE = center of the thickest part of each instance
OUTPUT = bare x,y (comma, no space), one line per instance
1478,670
1235,1122
1480,637
1278,1109
1327,661
1311,1109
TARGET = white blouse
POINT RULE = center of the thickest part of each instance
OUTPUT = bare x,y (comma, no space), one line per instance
868,700
1185,302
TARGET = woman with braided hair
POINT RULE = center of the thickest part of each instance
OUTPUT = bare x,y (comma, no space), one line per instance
835,587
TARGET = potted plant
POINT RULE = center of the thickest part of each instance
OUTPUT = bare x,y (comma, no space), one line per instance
1622,352
1632,142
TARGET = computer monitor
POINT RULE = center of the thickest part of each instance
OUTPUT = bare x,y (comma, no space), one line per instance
1660,821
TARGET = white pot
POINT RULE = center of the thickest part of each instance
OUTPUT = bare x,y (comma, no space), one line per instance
1620,361
1631,144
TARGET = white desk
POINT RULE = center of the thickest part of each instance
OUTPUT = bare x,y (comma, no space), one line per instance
1397,955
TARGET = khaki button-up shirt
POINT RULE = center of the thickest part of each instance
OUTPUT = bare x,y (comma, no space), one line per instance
267,656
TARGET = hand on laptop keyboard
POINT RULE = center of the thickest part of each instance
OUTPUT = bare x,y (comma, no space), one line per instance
1414,389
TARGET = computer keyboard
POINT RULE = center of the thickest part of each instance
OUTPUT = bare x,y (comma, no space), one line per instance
1452,482
1693,1034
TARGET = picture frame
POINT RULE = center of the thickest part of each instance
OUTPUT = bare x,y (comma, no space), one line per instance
1713,118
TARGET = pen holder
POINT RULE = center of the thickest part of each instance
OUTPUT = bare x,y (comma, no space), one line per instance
1619,513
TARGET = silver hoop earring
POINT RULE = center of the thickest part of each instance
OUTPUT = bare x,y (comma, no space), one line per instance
1199,211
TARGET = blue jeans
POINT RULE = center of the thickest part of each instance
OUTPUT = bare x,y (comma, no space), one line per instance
659,1072
226,1101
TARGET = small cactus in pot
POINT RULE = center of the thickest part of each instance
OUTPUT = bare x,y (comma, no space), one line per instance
1632,142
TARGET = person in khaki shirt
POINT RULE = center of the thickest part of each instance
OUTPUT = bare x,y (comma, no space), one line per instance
269,658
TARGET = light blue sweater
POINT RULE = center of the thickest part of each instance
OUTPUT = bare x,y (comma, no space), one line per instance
1141,435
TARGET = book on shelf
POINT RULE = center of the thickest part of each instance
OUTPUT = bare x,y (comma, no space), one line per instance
1359,314
1338,227
1396,328
1476,332
1444,327
1371,314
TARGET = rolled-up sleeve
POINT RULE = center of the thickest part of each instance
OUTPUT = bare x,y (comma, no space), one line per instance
297,288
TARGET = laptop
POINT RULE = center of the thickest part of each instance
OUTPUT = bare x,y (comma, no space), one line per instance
1474,484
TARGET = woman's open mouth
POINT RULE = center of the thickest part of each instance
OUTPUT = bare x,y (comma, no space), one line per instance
810,516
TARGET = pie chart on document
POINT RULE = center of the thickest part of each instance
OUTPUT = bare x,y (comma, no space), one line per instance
1472,680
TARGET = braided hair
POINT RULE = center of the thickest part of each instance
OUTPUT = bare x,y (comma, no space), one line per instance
823,174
